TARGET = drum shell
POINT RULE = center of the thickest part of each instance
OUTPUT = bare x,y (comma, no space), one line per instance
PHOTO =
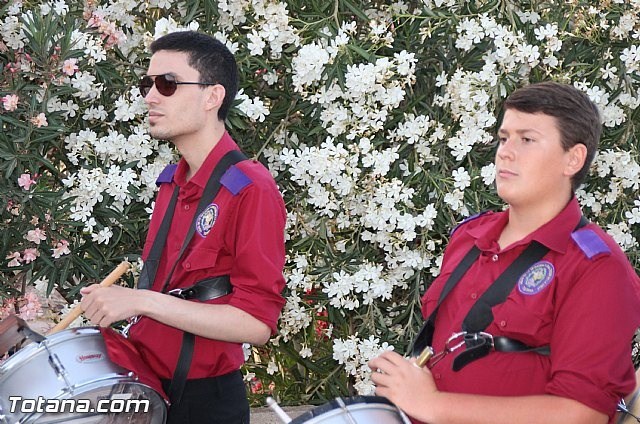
71,364
357,409
632,403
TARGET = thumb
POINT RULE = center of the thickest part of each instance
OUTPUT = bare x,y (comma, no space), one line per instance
89,289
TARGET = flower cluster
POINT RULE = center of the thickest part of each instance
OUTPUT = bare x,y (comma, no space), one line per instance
354,353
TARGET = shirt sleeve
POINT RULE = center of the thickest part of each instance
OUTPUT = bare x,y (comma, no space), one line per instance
593,329
259,253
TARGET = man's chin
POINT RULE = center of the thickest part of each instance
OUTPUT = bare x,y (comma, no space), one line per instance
158,134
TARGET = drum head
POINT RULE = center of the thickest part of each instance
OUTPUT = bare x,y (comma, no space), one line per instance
358,409
69,378
130,403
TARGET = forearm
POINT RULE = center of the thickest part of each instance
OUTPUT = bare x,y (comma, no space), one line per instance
219,322
106,305
412,389
454,408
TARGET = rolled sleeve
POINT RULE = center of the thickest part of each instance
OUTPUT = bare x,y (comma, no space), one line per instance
591,348
259,253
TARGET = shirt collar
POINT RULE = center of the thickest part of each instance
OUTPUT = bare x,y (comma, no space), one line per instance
555,234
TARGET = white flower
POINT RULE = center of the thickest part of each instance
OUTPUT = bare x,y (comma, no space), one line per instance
103,236
305,352
633,216
272,368
488,174
256,44
255,108
60,7
308,65
461,178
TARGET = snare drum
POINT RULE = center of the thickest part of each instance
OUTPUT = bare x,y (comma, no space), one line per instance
68,378
629,411
354,410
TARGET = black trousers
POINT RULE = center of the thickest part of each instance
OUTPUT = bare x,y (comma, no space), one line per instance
214,400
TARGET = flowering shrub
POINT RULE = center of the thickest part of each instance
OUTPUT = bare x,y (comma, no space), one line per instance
377,120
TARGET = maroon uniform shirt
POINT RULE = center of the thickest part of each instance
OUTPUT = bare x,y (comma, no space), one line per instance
240,234
581,299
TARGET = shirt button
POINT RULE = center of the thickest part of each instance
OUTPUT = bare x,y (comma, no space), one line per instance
494,258
186,207
474,295
187,265
503,323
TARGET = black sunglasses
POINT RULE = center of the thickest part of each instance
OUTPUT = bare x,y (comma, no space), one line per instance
165,83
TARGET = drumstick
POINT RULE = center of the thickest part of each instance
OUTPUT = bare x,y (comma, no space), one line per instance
75,312
278,411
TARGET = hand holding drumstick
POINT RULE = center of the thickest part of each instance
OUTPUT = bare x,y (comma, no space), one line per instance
75,312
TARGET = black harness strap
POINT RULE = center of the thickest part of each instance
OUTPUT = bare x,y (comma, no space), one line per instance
150,269
480,315
216,286
425,336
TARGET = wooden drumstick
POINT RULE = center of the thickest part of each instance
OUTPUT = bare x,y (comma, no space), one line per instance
75,312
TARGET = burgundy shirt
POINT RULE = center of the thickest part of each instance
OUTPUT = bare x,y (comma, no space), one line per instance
240,234
581,299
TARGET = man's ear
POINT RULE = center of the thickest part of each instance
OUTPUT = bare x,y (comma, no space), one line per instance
577,155
216,96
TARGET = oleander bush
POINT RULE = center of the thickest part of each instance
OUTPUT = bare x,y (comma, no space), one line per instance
377,120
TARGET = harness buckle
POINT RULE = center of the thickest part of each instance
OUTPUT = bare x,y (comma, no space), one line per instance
479,338
179,292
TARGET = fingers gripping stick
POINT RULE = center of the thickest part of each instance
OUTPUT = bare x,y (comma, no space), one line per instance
75,312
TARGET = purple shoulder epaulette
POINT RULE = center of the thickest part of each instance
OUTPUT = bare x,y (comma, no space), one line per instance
235,180
590,243
464,221
166,176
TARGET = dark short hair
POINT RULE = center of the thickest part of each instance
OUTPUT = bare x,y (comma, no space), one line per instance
577,117
211,58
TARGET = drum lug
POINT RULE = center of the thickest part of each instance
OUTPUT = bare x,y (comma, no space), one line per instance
60,370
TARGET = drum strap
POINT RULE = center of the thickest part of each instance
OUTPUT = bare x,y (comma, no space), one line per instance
203,290
479,344
150,269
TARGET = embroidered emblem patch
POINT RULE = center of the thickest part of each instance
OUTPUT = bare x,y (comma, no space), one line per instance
536,278
206,219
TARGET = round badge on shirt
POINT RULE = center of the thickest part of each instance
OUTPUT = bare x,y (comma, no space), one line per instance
206,219
536,278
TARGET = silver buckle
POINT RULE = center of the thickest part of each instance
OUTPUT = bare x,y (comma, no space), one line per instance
133,320
176,292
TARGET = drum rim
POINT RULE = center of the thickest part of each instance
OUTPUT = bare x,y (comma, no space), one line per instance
333,405
26,353
121,379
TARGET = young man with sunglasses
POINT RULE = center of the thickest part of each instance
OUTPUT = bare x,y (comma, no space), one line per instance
532,316
214,267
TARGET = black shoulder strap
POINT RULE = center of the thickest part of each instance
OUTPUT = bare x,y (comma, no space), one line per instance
425,335
148,274
150,268
481,315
